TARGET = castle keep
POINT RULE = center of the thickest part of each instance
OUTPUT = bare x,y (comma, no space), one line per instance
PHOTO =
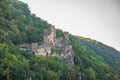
53,46
59,46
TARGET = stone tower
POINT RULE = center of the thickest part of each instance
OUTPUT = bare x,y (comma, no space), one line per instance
68,52
53,33
50,35
49,38
58,46
66,38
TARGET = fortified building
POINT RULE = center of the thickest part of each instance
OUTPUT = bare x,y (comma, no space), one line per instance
53,46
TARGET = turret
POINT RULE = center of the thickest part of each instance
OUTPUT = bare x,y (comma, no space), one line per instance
53,33
66,38
49,38
66,35
49,35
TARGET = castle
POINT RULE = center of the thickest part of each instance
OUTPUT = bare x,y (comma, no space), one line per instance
53,46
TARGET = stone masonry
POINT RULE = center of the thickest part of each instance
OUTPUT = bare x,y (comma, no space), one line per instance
55,46
60,46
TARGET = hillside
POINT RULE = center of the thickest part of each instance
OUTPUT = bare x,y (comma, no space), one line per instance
93,60
97,55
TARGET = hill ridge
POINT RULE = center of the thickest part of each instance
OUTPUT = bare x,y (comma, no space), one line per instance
92,60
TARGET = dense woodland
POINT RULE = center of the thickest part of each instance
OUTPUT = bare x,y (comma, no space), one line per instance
93,60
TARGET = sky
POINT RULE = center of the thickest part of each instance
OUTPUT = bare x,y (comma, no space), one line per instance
95,19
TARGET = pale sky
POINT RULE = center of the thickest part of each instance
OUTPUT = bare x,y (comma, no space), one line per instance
95,19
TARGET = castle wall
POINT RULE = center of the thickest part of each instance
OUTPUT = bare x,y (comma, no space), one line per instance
41,51
34,47
58,46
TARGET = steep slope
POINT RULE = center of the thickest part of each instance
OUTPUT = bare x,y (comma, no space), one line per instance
93,60
97,55
18,25
109,54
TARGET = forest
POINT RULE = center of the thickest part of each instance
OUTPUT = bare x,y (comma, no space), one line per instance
93,60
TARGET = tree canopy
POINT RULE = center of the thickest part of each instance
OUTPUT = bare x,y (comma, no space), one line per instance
93,60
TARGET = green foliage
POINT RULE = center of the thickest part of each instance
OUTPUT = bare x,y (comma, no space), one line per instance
17,24
12,64
93,60
90,73
59,33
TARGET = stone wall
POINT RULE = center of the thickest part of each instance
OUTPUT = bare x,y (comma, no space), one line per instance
58,45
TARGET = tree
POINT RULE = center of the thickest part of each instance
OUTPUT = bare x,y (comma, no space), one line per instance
90,74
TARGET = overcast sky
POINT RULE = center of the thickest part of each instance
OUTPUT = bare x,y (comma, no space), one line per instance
96,19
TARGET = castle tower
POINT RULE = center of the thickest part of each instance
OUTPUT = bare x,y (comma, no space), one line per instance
52,35
66,38
49,39
46,34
